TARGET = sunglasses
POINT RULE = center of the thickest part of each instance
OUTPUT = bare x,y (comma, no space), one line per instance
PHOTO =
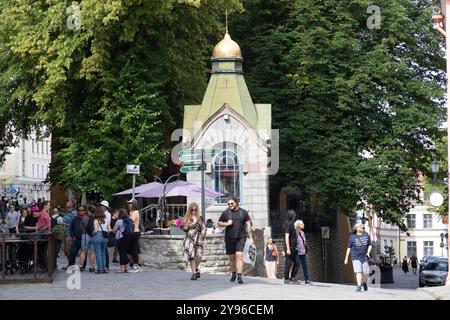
231,203
194,209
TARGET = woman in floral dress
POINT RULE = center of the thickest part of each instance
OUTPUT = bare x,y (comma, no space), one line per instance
195,238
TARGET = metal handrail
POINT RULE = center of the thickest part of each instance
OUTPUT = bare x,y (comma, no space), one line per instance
7,239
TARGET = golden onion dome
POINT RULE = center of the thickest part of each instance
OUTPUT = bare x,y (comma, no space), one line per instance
227,48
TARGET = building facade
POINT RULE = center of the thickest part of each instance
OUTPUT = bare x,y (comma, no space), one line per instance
425,235
236,136
25,170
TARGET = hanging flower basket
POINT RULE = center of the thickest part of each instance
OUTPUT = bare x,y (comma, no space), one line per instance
59,232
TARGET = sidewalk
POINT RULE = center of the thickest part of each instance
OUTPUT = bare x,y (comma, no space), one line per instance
438,293
176,285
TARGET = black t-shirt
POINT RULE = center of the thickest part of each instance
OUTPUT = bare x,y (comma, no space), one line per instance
289,228
238,228
30,221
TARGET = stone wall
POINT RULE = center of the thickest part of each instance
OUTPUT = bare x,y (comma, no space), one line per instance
166,252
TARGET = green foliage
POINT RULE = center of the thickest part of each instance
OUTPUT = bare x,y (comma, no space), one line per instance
358,109
440,181
110,91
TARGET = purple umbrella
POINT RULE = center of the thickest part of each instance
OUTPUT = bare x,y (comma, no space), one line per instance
142,188
179,188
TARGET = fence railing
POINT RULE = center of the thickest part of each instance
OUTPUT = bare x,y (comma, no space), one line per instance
27,257
173,211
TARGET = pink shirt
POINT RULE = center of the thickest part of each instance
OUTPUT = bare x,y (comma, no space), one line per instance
44,222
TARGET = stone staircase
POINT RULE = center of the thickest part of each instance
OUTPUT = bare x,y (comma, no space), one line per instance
214,257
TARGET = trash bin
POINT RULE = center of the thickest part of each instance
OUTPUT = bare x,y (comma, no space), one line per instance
386,274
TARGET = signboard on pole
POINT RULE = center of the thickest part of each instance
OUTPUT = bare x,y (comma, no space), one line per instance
186,169
133,169
325,233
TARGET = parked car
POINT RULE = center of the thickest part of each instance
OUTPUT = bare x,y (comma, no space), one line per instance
425,260
434,272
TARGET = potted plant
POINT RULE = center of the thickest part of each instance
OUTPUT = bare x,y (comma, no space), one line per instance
59,231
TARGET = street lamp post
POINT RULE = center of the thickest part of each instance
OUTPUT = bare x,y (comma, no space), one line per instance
435,168
162,200
442,25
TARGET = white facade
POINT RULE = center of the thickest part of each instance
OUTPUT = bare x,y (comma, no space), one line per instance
253,160
25,170
422,238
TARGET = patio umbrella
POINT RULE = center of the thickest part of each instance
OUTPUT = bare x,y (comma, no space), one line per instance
141,188
179,188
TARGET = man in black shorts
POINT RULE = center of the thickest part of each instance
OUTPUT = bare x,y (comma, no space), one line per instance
238,226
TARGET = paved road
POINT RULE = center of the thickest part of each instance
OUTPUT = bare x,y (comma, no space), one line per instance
169,285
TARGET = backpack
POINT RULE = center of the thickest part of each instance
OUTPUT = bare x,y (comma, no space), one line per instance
90,226
128,229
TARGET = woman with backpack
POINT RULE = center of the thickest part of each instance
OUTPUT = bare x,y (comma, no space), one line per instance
123,228
100,239
194,240
134,240
87,245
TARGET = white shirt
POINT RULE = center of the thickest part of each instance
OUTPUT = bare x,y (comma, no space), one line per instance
59,219
108,217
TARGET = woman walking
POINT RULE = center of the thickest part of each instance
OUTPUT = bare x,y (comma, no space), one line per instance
100,239
87,244
123,239
271,259
134,240
194,240
302,249
405,265
360,246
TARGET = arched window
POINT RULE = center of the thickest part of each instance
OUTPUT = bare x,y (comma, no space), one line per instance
227,175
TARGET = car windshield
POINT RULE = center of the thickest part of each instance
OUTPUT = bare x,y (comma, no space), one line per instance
438,266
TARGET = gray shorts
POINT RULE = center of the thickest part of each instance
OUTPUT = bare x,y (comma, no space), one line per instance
359,266
86,243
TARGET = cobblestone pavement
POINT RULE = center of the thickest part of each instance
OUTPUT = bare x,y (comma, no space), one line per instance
176,285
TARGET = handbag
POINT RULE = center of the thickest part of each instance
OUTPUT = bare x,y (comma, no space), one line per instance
275,252
111,240
104,233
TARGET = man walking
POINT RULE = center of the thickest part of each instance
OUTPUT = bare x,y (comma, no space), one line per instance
71,213
291,259
105,206
359,244
238,227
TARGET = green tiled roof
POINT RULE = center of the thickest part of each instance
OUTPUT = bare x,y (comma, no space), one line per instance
227,86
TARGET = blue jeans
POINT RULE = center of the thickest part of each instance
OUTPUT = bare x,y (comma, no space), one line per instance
304,266
100,244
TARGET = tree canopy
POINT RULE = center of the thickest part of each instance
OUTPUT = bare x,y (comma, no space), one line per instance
107,78
358,109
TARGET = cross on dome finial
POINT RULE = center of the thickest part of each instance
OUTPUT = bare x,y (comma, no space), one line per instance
226,20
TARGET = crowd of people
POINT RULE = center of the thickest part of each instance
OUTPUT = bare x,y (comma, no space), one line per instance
91,230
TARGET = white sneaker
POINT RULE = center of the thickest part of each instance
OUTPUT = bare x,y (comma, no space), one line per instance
133,270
